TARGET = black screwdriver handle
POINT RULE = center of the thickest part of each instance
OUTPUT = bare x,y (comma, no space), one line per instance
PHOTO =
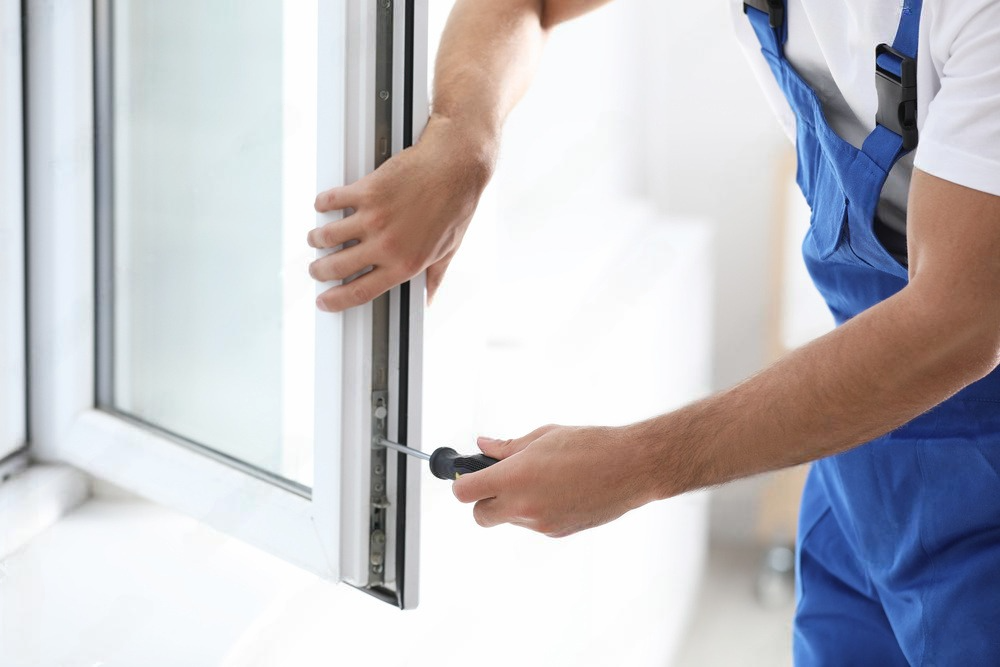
446,463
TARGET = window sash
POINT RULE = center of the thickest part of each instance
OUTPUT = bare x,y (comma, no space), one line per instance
326,531
12,330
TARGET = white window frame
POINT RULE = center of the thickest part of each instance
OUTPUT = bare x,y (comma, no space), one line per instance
326,532
13,413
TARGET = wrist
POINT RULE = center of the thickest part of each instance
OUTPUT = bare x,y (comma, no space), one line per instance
669,466
640,448
473,145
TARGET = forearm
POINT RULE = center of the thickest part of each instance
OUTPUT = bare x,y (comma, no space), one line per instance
869,376
487,57
488,54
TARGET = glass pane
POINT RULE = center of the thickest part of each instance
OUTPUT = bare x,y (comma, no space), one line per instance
213,175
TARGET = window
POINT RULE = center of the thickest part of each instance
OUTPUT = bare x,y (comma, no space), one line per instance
12,349
178,350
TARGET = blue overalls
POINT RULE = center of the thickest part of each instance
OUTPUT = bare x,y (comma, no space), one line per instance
899,539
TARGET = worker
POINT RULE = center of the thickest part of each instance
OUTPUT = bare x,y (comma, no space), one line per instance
898,558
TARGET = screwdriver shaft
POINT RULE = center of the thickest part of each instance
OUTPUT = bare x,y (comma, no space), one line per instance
403,448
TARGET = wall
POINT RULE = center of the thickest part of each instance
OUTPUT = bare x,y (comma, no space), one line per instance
700,142
712,149
671,114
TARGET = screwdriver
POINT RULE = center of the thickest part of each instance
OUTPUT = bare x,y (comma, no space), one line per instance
445,462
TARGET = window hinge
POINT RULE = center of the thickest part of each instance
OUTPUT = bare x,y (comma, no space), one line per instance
379,499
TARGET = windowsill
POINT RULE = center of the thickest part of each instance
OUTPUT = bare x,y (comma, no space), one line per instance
34,499
120,581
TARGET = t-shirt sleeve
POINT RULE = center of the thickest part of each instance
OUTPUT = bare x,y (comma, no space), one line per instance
960,136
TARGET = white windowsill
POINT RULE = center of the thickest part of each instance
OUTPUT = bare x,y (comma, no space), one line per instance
34,499
123,582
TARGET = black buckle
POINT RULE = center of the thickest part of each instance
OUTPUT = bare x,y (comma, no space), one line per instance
775,10
897,96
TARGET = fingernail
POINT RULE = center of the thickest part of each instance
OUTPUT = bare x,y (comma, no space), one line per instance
483,440
321,305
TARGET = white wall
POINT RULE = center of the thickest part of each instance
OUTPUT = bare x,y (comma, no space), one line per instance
670,113
712,148
673,114
653,100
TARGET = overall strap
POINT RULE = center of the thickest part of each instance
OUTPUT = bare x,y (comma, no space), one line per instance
768,18
895,132
907,35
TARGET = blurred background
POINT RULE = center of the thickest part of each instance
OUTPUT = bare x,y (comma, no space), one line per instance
637,249
645,139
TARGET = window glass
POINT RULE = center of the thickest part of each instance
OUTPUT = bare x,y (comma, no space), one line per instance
209,316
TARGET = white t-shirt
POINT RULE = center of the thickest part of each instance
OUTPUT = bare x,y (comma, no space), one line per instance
831,44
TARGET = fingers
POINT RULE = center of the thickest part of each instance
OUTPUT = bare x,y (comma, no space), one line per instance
341,264
490,482
336,233
435,274
336,199
359,291
475,486
485,513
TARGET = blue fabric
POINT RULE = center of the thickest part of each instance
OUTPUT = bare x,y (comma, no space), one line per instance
908,31
899,539
890,63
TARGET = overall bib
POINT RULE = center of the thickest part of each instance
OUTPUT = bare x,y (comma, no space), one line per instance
898,558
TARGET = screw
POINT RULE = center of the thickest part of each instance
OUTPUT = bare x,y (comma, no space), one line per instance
379,487
379,469
383,95
381,412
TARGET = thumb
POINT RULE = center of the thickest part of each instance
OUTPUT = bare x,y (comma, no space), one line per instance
498,449
501,449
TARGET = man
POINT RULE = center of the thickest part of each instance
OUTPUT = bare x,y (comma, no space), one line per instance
899,543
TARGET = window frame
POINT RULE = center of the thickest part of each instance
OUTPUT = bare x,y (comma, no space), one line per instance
13,407
325,531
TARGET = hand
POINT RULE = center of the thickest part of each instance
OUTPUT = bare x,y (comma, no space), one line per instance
410,214
558,480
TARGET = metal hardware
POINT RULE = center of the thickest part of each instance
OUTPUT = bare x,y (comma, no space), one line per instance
775,10
403,449
380,309
897,93
379,500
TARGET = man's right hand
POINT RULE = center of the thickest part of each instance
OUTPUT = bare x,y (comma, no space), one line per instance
409,215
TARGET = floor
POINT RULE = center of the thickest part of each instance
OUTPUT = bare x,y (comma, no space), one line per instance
730,626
